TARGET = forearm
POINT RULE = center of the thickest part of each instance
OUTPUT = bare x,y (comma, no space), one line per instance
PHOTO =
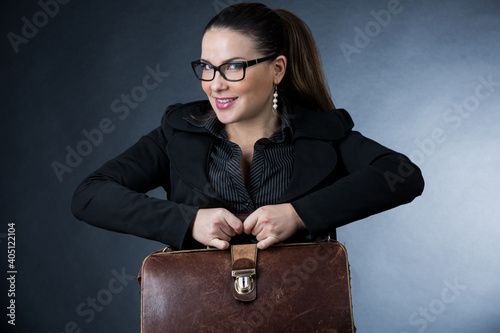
108,205
114,197
389,182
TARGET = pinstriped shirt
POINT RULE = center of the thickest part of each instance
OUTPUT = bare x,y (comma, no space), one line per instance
270,171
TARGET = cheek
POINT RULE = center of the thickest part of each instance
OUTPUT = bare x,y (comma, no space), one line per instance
251,86
258,88
206,87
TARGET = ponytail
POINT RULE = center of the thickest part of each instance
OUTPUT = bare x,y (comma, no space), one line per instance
280,32
304,82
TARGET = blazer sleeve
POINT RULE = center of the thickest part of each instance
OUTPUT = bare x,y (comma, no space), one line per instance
114,196
377,179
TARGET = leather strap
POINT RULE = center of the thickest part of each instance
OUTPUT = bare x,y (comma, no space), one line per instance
244,265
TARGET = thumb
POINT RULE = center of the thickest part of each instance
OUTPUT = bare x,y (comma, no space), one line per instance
265,243
218,243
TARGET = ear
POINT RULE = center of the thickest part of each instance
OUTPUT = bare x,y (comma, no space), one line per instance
279,68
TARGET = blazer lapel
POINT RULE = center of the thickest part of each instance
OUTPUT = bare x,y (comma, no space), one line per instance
315,156
314,161
189,154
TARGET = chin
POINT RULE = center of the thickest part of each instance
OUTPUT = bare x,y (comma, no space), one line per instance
224,119
225,116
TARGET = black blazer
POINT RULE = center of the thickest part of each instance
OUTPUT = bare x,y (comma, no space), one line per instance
339,176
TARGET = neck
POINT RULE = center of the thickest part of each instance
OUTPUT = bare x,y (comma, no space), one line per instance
253,130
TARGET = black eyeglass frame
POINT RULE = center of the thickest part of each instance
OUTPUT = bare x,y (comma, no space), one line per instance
245,64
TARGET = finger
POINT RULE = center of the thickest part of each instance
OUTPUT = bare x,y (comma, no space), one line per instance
260,236
235,223
226,229
261,220
222,236
218,243
250,223
220,226
264,244
257,229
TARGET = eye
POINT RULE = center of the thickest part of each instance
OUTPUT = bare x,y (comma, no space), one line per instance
206,67
234,66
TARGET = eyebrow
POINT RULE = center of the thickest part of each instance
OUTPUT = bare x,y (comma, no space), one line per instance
227,60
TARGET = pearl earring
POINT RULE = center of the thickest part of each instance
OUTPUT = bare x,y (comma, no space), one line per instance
275,100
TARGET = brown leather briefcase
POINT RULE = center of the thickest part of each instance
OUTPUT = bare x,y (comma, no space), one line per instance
286,288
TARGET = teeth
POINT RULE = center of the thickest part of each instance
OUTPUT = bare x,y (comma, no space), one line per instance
227,100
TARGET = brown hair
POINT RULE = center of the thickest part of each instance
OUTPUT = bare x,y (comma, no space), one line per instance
280,32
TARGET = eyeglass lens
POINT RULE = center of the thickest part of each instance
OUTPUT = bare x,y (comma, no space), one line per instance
230,71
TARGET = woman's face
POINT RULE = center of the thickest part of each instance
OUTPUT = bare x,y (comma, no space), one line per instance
246,101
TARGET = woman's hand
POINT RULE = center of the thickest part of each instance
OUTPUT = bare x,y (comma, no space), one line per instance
273,224
215,227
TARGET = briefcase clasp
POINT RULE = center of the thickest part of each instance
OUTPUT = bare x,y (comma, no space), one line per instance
244,282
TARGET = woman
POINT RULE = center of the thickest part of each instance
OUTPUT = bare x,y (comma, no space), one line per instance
268,143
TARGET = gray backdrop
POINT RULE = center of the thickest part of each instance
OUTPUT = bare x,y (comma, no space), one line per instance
419,76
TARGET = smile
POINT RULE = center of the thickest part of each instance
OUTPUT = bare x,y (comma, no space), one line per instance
224,103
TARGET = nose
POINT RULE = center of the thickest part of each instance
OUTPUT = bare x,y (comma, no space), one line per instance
218,83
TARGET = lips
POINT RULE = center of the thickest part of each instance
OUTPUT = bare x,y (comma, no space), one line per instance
224,103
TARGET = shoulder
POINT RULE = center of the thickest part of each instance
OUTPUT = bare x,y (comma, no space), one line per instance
177,115
330,125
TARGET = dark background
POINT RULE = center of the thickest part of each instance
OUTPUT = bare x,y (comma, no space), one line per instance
414,81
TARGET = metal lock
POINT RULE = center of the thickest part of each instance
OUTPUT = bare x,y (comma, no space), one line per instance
244,282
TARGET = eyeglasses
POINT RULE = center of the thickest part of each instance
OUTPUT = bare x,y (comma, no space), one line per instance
231,71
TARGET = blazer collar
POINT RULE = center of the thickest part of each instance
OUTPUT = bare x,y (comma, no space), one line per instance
331,125
189,150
